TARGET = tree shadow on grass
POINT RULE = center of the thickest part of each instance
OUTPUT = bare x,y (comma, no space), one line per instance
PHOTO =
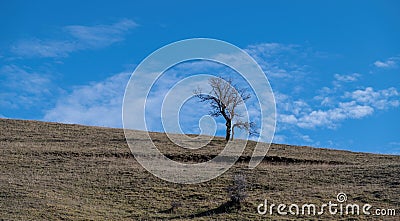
227,207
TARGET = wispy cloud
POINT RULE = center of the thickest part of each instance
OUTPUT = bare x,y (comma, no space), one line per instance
276,59
98,103
23,88
44,48
347,78
100,35
269,50
75,37
394,143
307,138
391,62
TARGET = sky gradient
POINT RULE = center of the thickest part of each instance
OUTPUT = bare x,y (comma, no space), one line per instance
333,65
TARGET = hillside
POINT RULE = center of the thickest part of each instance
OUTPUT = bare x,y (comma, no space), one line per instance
54,171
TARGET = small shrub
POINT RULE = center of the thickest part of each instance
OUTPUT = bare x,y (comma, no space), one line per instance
237,191
175,205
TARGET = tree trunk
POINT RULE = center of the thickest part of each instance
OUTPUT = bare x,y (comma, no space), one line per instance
228,129
233,132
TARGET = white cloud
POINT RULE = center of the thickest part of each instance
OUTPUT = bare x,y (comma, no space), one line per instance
22,87
98,103
347,78
352,105
287,118
307,138
382,99
278,138
351,110
331,117
389,63
330,107
75,37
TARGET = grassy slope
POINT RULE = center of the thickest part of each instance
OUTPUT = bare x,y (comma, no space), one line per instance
58,171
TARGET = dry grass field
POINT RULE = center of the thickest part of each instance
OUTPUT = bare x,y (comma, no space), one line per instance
51,171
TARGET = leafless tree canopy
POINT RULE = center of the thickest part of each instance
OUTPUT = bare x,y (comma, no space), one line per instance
224,98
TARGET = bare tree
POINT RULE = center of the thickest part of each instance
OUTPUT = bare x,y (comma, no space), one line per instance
249,126
224,98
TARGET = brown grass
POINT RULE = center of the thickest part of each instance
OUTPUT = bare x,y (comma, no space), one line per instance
54,171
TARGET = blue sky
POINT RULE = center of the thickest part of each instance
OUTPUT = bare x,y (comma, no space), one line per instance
333,65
